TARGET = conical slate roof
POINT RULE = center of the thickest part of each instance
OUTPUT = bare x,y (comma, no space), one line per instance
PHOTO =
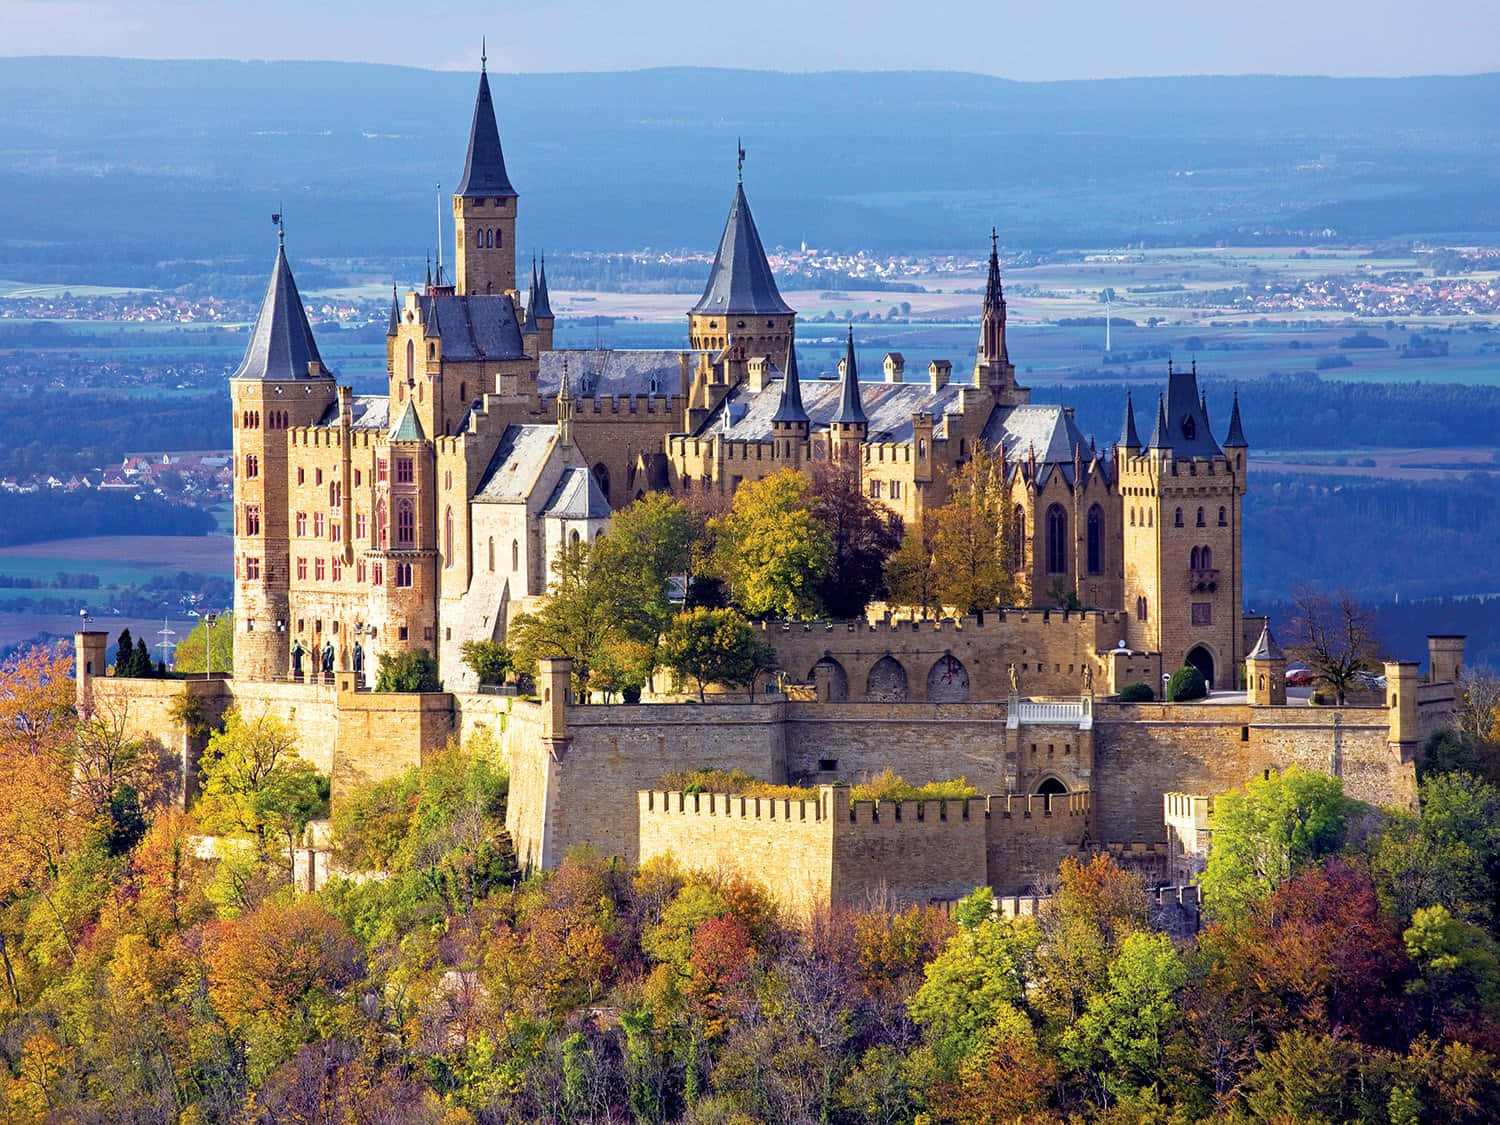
408,427
395,314
1266,648
741,281
1158,438
543,298
528,325
1235,439
1129,437
282,344
789,408
851,409
484,169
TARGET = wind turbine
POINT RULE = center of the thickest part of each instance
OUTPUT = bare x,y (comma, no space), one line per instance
1107,295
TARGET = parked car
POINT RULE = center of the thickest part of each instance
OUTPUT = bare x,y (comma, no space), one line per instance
1369,681
1298,675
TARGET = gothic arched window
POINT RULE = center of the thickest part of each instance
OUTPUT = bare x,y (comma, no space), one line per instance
406,524
492,554
448,537
1057,540
1223,518
411,360
1018,536
1096,540
1177,520
515,554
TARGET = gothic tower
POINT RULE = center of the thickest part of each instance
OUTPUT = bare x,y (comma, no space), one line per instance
280,384
484,208
993,369
1182,497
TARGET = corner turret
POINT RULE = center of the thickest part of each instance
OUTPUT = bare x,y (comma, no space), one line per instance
484,208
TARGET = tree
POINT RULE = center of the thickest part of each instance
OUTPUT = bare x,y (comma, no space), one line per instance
972,548
1335,638
577,623
1261,837
862,535
715,646
1186,684
1447,854
647,544
253,781
413,669
771,549
141,664
489,660
1460,963
190,652
911,575
125,654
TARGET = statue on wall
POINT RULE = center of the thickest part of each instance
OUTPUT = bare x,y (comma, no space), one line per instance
328,657
1015,679
1088,679
297,651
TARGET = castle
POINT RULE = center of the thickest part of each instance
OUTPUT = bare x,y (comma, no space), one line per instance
428,516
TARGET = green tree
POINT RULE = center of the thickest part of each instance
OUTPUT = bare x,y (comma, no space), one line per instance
1447,854
972,547
190,651
1186,684
771,549
125,654
1460,963
1264,834
578,621
489,660
647,544
973,991
862,536
715,646
413,669
911,575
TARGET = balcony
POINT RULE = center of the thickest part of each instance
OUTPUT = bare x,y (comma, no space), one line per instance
1203,578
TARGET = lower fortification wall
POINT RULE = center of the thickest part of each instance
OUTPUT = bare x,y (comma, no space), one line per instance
920,741
1029,836
901,852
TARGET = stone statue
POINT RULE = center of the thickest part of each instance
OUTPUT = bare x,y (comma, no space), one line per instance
328,656
1015,679
1088,678
359,657
297,651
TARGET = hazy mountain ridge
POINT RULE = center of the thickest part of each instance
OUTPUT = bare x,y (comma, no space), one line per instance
112,164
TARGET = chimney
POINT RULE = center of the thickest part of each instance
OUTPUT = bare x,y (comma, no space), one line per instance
895,366
939,371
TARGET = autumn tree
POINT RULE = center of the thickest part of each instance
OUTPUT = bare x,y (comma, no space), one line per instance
911,574
862,536
577,622
715,646
972,549
770,548
1334,637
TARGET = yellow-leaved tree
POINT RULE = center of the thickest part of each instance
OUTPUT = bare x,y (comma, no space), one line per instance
770,548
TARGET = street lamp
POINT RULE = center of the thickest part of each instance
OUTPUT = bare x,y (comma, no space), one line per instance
208,648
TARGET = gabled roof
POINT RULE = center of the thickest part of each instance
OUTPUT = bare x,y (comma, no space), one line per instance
281,345
577,497
789,408
1266,648
366,412
408,427
517,462
1047,429
740,281
851,410
474,327
484,167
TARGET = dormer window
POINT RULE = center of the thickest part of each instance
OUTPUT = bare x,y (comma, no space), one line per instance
1188,427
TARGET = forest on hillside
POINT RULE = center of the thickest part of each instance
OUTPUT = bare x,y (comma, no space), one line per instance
1349,970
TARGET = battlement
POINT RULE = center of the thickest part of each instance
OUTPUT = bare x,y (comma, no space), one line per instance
736,805
626,404
992,620
936,810
1028,806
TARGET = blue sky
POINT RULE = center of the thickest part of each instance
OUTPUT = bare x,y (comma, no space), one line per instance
1031,40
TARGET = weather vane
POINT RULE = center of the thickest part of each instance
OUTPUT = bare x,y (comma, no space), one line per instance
276,221
740,163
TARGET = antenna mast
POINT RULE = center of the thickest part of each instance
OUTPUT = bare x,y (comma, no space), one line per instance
438,189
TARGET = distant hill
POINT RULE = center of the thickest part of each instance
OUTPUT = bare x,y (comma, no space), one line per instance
109,167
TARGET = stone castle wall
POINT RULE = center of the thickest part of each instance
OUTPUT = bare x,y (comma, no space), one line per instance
1027,838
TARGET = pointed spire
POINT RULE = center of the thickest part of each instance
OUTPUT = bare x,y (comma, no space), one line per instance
408,427
429,270
1158,438
789,408
1130,439
281,344
1266,648
1203,405
433,329
395,324
543,298
484,167
565,407
992,358
1236,436
741,280
484,53
528,325
850,410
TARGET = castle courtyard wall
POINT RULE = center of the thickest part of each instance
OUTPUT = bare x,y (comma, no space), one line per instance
1028,836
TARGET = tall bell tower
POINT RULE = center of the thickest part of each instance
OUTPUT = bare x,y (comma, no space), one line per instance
484,208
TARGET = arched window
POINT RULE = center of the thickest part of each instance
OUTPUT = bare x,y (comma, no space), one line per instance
252,466
573,539
1140,609
335,494
515,555
1193,560
463,394
1200,518
479,242
406,524
1132,517
601,475
1150,518
1096,540
380,524
448,537
1206,557
1223,518
492,554
1018,536
1057,540
411,359
500,238
1177,519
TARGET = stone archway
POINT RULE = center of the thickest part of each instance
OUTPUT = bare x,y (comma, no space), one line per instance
1203,660
1049,788
948,680
830,670
887,682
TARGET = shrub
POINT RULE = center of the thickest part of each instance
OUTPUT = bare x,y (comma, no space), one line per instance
1136,693
1186,683
489,660
889,786
736,781
413,670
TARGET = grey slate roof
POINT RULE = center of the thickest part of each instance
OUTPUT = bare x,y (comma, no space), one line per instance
577,497
850,410
1035,426
789,406
543,297
1158,438
1187,432
408,427
474,327
1235,439
367,412
606,371
740,281
282,344
484,168
395,324
1266,648
1129,438
519,457
888,408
